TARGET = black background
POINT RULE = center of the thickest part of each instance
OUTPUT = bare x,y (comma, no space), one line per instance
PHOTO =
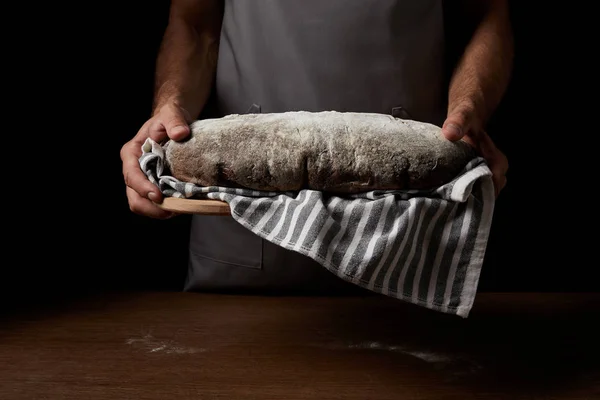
79,85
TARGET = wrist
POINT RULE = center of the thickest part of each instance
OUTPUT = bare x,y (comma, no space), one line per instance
166,95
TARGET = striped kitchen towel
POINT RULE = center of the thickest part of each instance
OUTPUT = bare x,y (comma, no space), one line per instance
423,247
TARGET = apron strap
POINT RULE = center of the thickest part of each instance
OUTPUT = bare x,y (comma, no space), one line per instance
399,112
254,109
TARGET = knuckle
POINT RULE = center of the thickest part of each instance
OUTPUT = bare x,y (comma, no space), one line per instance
124,150
154,128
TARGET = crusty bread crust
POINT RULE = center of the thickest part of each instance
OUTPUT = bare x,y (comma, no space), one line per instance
338,152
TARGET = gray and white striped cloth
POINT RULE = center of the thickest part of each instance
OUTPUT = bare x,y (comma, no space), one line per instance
423,247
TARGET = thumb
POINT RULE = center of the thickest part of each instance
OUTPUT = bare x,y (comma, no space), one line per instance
456,126
177,126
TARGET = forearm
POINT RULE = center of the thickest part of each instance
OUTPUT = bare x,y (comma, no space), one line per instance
186,62
483,71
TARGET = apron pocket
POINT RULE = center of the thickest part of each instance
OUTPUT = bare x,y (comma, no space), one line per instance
224,240
223,255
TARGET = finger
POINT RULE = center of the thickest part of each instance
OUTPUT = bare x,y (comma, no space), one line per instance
499,182
175,123
486,143
157,131
134,146
452,131
457,124
136,179
142,206
499,167
492,153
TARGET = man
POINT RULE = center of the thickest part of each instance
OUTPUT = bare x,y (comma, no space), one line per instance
385,56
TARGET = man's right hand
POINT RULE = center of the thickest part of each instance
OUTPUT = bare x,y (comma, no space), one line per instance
168,122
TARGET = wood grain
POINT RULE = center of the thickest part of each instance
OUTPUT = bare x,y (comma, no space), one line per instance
218,346
195,206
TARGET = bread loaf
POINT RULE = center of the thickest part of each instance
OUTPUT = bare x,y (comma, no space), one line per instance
338,152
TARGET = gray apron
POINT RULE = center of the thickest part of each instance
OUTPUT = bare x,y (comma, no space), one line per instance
384,56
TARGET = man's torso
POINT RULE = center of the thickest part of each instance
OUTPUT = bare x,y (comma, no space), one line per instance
384,56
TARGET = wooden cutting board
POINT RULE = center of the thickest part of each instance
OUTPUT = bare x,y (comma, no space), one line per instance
195,206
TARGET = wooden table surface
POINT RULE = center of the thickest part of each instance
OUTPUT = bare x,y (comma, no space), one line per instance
142,345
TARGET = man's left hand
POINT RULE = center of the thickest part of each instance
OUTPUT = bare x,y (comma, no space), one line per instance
462,124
